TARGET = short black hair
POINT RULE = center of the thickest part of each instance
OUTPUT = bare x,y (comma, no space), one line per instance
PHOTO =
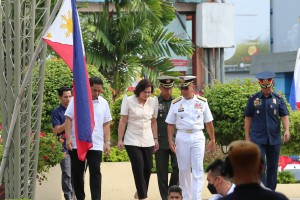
215,167
142,85
95,80
175,188
63,89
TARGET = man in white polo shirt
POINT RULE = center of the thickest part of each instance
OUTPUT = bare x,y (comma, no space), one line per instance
100,139
188,114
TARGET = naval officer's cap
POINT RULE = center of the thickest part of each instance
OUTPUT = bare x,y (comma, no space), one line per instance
166,81
185,81
266,79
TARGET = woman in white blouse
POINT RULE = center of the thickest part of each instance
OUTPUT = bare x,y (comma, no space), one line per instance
139,112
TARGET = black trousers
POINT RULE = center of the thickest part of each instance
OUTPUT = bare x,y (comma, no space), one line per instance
162,157
93,160
141,164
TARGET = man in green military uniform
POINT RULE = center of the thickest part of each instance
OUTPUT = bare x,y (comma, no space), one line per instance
163,155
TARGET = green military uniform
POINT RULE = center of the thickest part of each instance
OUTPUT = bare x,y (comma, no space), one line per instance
164,153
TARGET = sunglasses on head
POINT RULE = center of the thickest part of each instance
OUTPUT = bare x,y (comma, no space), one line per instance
266,86
266,83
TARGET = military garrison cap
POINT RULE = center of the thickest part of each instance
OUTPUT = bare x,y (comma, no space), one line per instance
266,79
166,81
185,81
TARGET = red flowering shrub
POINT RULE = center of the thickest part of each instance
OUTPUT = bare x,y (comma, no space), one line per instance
50,154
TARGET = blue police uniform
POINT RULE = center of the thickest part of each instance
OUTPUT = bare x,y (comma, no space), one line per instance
265,112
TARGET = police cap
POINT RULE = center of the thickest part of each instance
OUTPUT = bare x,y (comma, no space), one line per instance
185,81
166,81
266,79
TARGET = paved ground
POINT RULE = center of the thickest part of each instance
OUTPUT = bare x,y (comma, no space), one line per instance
118,184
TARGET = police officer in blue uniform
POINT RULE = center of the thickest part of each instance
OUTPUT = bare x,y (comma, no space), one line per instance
262,124
164,154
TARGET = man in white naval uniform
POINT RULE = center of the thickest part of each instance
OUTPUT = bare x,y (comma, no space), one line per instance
188,114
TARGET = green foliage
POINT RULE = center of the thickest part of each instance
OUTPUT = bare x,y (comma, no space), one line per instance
292,147
285,177
227,103
131,41
115,112
50,154
57,74
116,155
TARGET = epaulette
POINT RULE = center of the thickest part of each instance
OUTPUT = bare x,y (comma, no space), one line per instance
253,95
176,100
201,98
277,95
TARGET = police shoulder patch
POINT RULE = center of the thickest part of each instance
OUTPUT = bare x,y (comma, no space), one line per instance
254,95
176,100
277,95
201,98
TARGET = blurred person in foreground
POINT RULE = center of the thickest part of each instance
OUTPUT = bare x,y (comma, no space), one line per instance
244,160
262,124
175,193
139,113
218,184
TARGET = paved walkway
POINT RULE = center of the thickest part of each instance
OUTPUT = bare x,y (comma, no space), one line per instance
118,184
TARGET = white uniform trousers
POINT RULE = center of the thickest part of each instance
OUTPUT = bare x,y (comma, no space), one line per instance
190,149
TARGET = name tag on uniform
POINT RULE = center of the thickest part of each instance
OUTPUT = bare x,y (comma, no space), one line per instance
160,107
180,109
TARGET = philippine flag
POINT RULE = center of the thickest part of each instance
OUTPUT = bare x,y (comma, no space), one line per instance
64,36
295,89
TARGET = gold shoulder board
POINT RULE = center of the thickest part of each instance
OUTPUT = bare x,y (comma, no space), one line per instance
201,98
176,100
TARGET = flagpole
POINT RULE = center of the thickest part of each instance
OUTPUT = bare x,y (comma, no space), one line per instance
40,46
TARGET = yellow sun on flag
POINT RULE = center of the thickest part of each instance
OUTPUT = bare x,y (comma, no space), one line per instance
68,24
49,35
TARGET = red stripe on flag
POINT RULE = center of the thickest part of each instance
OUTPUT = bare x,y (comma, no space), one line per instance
63,50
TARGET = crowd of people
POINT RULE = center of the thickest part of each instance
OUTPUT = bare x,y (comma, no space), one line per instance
172,129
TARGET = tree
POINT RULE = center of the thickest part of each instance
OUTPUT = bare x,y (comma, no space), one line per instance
57,75
227,103
132,41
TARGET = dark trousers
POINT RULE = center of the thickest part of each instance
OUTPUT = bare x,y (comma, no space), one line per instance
162,167
270,155
93,160
141,164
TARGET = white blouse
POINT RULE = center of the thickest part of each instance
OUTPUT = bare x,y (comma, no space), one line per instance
139,131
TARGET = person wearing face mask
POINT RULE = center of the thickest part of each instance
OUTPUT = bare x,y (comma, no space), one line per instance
218,184
245,167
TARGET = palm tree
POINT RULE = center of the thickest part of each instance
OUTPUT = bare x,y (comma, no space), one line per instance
131,41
